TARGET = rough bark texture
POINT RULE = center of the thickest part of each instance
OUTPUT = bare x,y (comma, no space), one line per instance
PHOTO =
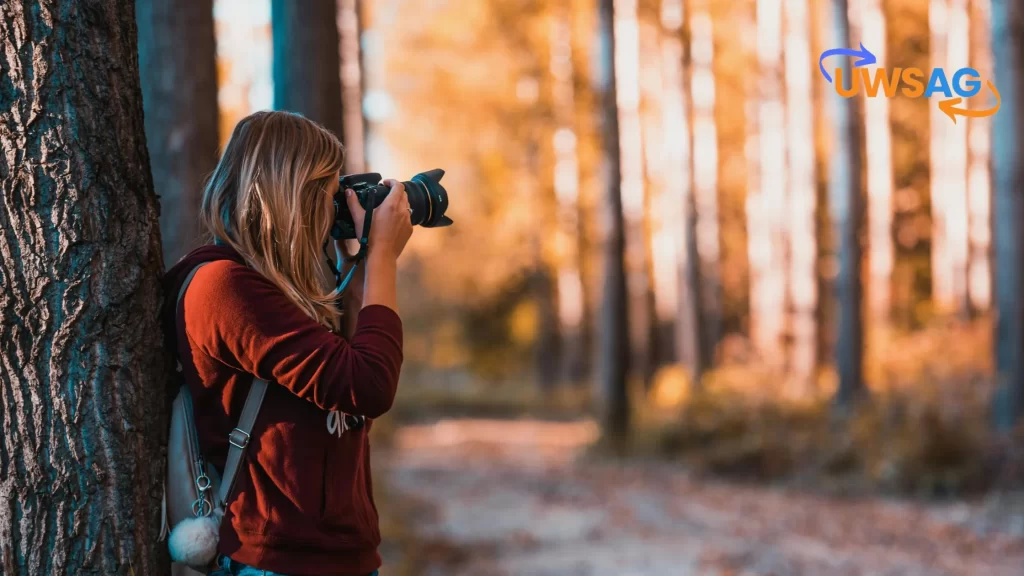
306,61
177,61
848,214
81,362
614,331
1008,211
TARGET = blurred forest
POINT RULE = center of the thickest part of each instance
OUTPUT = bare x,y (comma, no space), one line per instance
667,219
698,312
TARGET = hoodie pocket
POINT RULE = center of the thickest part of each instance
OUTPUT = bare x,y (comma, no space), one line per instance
348,513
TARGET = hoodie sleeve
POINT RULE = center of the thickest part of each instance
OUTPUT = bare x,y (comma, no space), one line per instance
238,317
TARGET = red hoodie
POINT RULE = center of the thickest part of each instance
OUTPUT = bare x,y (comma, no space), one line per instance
303,500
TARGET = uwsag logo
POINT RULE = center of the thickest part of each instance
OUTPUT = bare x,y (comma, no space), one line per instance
965,82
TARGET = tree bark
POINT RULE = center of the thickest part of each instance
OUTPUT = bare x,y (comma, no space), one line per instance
1008,211
614,333
81,359
848,215
177,61
306,65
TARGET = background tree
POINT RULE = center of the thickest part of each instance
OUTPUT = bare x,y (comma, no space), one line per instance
825,312
700,31
634,191
766,209
690,341
177,61
979,171
950,24
350,27
81,361
732,66
868,22
589,152
306,63
848,215
614,329
908,41
1008,210
802,251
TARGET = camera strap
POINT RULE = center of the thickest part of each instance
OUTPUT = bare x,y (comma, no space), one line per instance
364,241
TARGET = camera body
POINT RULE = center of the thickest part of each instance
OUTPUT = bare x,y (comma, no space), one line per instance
428,200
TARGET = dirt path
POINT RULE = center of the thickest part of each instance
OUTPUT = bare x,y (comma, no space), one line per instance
515,498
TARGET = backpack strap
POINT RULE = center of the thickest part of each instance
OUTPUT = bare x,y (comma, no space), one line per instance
238,439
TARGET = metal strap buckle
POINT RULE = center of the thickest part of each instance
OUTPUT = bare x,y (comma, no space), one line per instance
243,442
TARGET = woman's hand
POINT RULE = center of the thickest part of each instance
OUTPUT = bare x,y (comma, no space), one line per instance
392,220
389,233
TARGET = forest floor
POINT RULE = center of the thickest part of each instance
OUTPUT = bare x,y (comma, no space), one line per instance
527,497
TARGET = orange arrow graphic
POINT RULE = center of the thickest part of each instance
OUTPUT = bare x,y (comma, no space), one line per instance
950,109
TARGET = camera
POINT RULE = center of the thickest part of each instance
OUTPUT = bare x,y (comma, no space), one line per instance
427,198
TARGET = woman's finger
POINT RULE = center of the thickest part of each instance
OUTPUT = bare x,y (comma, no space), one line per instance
393,195
354,207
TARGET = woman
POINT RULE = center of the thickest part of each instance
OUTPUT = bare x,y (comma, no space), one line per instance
264,306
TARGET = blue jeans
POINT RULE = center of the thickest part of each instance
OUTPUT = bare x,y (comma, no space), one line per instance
229,567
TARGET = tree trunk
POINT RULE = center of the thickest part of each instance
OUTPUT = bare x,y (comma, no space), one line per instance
731,66
307,77
979,176
949,48
848,216
824,316
1008,211
566,185
177,61
659,264
870,29
679,183
589,154
632,189
704,165
614,333
353,121
907,41
767,215
803,248
81,359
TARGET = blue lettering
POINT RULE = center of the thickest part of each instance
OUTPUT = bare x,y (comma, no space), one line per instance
973,84
939,83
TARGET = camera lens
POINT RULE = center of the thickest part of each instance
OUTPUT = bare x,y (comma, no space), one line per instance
428,199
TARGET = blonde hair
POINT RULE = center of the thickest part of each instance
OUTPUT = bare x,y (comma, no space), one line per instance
267,199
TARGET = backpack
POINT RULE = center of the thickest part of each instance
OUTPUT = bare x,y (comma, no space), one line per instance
195,494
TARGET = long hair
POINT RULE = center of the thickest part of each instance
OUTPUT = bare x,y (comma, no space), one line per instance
268,199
